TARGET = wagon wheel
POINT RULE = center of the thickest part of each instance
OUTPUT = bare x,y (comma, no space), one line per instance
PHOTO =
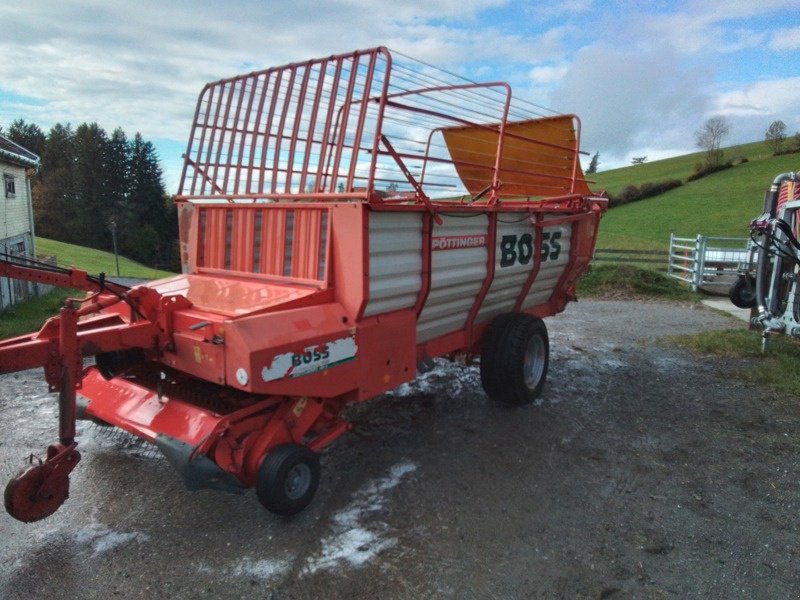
743,293
35,493
288,479
514,359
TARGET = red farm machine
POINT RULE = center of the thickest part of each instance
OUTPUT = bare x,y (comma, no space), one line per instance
341,221
769,281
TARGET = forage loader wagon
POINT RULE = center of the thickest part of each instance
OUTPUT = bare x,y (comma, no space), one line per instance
342,220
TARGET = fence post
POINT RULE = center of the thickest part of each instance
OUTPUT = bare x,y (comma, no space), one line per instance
669,256
699,262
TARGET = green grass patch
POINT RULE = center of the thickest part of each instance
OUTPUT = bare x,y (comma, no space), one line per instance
778,367
29,316
721,204
96,261
626,281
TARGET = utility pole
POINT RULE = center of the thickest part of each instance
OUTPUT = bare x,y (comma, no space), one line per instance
114,241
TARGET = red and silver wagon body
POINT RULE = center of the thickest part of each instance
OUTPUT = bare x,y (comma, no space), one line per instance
341,221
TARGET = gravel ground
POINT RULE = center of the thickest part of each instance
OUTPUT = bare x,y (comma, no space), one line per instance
642,473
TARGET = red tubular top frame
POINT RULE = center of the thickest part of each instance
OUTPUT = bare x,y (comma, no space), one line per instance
313,131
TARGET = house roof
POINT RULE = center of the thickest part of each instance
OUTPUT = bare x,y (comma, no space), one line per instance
13,152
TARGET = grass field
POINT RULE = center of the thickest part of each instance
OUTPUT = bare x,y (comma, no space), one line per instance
95,261
722,204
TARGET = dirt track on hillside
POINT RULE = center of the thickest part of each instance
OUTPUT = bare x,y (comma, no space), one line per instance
643,472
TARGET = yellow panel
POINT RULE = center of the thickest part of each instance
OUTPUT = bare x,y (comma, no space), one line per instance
539,157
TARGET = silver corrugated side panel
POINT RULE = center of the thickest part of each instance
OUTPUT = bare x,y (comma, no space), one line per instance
457,275
395,261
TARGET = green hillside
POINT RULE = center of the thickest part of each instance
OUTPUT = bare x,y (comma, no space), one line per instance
722,204
95,261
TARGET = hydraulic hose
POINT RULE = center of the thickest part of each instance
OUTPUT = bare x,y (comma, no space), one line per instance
770,212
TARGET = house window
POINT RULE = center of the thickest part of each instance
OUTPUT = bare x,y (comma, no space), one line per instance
8,180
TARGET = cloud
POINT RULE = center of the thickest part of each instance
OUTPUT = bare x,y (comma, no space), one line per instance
786,39
548,74
627,100
698,26
764,98
564,8
752,108
141,65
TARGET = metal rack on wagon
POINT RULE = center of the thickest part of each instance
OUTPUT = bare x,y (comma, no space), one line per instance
341,221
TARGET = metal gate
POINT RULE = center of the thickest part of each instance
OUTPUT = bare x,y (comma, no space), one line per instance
712,263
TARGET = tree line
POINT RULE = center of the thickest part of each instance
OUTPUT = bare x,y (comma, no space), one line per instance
93,189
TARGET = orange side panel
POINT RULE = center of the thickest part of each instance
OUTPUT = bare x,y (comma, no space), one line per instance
213,226
306,244
243,240
272,245
306,351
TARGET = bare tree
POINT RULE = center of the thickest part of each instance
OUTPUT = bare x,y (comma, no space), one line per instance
710,137
776,136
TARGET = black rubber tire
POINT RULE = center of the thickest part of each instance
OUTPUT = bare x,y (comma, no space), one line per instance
491,368
743,293
288,479
514,359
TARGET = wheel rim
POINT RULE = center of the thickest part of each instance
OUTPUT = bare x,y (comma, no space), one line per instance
298,480
533,369
27,501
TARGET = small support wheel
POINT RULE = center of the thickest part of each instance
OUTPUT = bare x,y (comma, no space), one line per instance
514,359
742,294
35,493
288,479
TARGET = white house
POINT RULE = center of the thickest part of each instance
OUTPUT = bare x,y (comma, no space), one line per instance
17,165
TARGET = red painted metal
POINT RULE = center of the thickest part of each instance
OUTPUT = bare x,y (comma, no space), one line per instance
38,490
266,336
537,261
491,257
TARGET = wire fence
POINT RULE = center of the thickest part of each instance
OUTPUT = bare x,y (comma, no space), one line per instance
703,262
622,255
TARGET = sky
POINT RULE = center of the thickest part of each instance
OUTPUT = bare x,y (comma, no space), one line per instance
642,75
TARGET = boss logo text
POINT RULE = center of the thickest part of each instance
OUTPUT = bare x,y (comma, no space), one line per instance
519,249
